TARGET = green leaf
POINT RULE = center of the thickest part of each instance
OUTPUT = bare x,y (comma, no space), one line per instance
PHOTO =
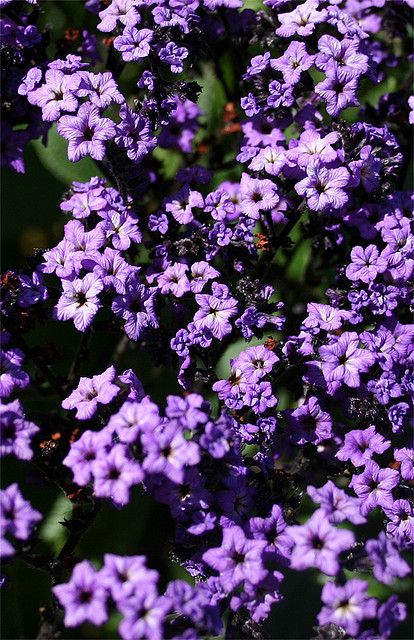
51,530
55,159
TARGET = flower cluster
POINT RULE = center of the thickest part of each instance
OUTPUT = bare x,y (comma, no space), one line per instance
285,444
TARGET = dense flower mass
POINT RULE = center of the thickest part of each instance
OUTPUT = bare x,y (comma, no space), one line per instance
234,291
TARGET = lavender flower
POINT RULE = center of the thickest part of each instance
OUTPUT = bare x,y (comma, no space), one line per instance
91,391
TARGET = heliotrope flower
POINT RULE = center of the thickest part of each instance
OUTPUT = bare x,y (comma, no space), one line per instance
361,444
84,598
343,361
324,188
86,133
318,544
90,392
374,486
237,559
17,516
134,43
136,307
347,605
16,431
79,301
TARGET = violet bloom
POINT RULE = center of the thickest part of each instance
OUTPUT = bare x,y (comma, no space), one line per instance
174,280
401,524
100,88
270,160
134,133
144,615
302,20
360,445
81,205
318,544
215,312
259,397
123,576
256,196
174,56
122,229
237,559
201,273
123,11
309,423
347,606
343,361
336,504
374,486
324,188
84,451
168,452
273,530
366,264
17,516
367,169
406,457
16,432
111,268
323,316
295,60
387,562
311,146
56,95
136,307
83,597
79,301
90,392
340,57
11,373
134,43
338,94
134,418
181,205
114,475
86,133
390,614
256,362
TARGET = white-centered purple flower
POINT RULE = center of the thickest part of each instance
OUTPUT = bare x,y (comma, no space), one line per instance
91,391
79,301
86,132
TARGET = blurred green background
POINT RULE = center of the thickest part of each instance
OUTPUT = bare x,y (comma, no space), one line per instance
30,219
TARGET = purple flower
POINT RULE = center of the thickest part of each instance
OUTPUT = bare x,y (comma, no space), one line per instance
144,615
122,229
308,423
173,56
123,11
134,133
343,361
136,307
406,457
17,516
256,196
302,20
174,280
256,362
114,474
295,60
325,317
82,205
338,94
79,301
374,486
16,432
133,419
311,146
259,397
11,374
201,273
56,95
323,187
337,505
86,133
100,88
182,203
340,57
366,264
318,544
168,452
347,606
237,559
215,311
390,614
84,597
90,392
273,530
387,562
367,169
84,451
401,515
134,44
360,446
124,576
